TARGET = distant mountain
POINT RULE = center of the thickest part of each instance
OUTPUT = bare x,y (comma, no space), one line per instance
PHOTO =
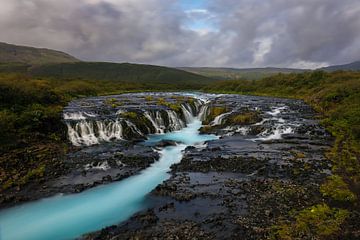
10,53
239,73
354,66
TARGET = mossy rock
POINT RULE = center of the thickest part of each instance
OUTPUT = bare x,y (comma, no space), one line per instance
245,118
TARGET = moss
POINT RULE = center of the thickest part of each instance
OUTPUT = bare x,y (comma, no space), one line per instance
131,115
33,174
245,118
337,189
319,221
149,98
174,107
113,102
214,112
298,155
161,101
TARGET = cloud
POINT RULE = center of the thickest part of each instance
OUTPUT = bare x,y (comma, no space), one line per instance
233,33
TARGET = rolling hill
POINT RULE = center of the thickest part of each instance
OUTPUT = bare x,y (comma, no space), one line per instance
10,53
354,66
240,73
123,72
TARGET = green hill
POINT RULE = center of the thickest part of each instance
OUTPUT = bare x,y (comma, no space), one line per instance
10,53
240,73
123,72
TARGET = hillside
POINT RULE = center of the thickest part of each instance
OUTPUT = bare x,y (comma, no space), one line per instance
240,73
354,66
10,53
123,72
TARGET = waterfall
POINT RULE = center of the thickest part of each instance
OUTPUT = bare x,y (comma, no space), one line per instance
133,127
198,103
82,133
187,113
112,130
203,112
86,128
218,119
175,123
159,120
156,122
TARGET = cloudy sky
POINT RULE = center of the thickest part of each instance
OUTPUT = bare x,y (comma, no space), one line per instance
228,33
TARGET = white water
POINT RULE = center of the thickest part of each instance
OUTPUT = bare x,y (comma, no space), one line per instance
156,122
68,217
88,132
280,126
218,119
78,115
277,133
203,112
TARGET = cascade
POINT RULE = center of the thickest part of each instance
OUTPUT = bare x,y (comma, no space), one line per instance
218,119
88,128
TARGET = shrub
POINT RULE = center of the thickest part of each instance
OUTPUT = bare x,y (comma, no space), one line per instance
337,189
131,115
319,221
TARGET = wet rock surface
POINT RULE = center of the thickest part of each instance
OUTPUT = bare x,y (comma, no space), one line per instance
240,185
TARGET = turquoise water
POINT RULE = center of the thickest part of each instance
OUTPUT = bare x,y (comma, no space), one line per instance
70,216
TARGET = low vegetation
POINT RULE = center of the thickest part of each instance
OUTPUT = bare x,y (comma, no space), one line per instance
317,222
245,118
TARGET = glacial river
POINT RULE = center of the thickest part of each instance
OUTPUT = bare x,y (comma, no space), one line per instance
70,216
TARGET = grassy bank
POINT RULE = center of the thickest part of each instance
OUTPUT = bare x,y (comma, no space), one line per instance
336,97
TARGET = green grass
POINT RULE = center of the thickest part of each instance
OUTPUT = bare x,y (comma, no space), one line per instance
119,72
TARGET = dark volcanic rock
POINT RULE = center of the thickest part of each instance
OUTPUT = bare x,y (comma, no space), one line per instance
165,143
240,185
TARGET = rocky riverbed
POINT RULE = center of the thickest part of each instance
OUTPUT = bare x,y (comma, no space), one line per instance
239,186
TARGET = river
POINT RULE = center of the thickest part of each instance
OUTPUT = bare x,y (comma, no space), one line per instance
70,216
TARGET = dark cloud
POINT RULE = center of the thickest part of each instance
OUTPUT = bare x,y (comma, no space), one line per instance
241,33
